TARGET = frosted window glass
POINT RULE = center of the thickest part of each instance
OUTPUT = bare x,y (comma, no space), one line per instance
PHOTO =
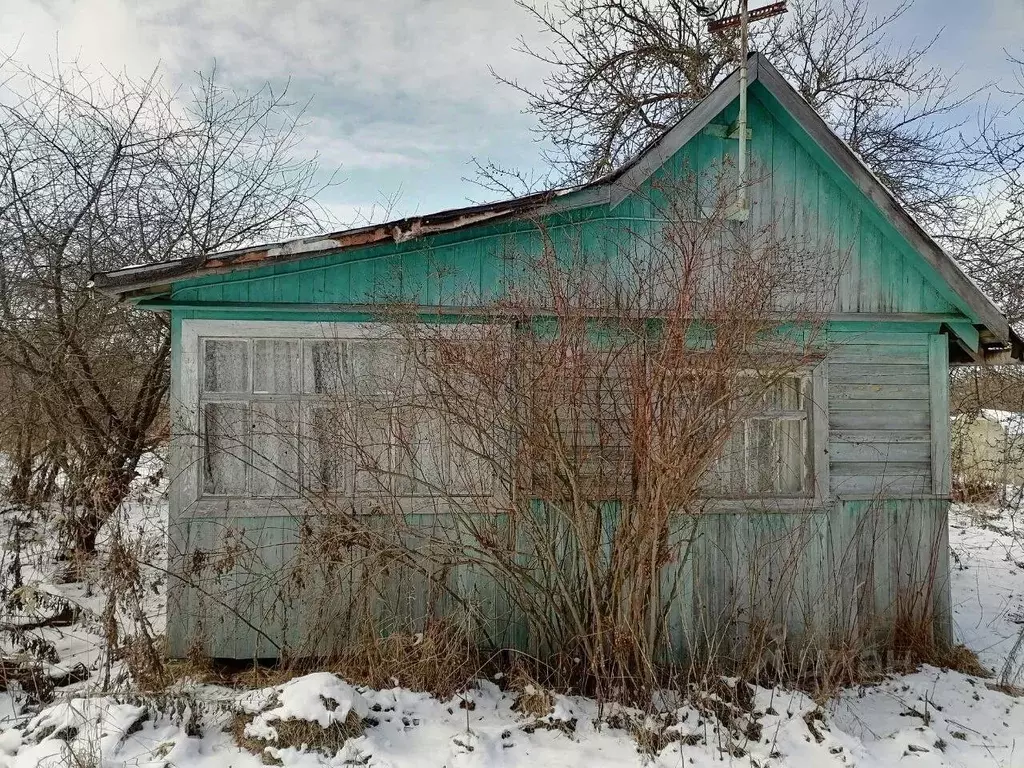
225,365
275,454
225,448
275,367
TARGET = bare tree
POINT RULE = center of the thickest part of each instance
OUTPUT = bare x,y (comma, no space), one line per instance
623,71
990,241
96,174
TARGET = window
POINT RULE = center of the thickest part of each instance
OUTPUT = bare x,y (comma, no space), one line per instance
249,417
284,416
279,416
770,453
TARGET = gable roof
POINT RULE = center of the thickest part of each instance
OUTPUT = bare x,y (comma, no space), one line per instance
611,189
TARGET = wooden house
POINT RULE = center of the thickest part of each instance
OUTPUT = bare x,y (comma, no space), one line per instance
245,324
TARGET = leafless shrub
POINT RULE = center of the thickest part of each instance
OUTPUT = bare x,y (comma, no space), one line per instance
566,439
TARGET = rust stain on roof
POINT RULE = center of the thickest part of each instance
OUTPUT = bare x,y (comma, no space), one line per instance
399,231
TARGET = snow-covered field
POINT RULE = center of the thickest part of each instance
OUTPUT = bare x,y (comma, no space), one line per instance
928,718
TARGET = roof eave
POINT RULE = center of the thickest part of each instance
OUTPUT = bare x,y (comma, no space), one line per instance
147,279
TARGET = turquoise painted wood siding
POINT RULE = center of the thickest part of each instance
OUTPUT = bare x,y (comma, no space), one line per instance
252,585
845,571
798,190
880,414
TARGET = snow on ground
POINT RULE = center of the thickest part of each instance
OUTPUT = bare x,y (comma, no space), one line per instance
987,574
929,718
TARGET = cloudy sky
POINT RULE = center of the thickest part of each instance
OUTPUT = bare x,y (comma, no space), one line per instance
402,96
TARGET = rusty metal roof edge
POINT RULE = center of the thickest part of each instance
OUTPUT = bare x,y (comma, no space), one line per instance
124,281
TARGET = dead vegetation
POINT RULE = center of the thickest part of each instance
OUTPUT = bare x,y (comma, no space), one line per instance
295,734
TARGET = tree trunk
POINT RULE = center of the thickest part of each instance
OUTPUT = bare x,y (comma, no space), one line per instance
98,499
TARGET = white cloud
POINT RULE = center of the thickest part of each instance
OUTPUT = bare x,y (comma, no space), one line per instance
402,94
435,50
99,33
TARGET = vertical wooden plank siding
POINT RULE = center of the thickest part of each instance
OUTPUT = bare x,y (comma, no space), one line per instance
938,371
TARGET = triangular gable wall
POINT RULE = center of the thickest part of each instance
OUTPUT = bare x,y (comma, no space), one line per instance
807,196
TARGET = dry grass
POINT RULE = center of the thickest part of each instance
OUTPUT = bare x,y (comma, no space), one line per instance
533,699
297,734
914,643
230,674
440,660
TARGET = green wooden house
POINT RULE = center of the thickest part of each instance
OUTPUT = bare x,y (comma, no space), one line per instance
246,324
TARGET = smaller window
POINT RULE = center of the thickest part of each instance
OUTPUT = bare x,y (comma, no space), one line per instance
769,453
226,366
276,368
225,432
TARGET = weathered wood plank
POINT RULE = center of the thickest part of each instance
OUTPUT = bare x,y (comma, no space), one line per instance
880,391
859,484
883,468
938,363
867,373
874,419
878,451
820,419
878,338
881,436
870,404
871,353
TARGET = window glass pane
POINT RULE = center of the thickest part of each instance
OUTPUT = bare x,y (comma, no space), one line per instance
372,449
419,455
787,394
727,476
326,366
377,368
328,452
793,458
470,471
225,365
276,366
225,448
762,456
275,465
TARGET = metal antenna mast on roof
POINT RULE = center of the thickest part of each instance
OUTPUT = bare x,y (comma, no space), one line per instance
741,20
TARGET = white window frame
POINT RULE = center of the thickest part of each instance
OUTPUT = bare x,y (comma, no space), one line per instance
186,448
187,399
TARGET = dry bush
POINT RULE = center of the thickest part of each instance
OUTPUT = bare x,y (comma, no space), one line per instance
565,439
